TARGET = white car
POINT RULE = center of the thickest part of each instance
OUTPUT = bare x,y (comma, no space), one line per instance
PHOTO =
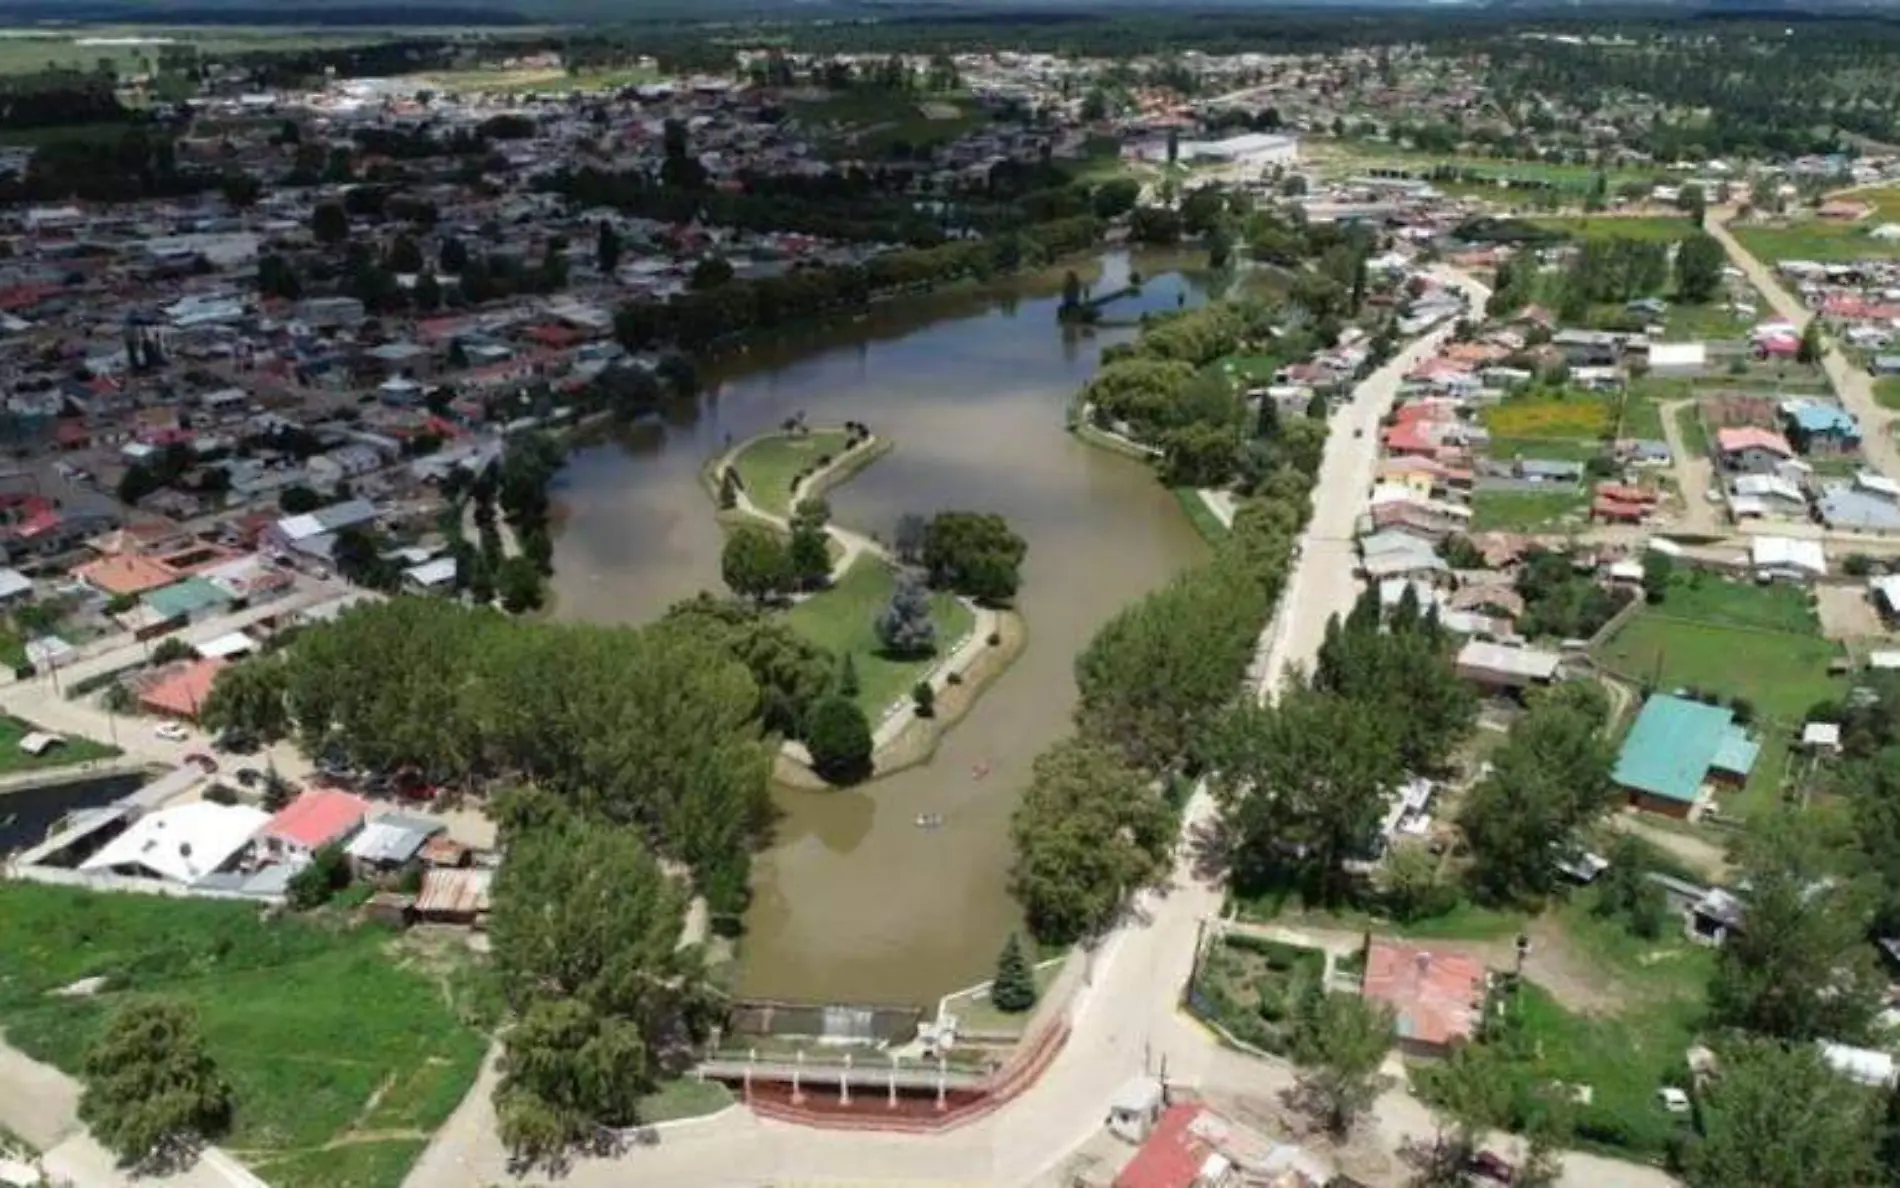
171,732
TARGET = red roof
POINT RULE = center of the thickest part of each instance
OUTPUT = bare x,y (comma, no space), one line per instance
1743,437
1606,508
1435,997
181,693
1172,1156
318,818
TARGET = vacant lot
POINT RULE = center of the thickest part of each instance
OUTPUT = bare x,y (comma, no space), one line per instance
1576,414
1710,598
1653,228
343,1051
767,466
1525,511
843,620
1782,673
1811,239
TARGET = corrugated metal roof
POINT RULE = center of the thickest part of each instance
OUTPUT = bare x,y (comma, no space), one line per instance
455,892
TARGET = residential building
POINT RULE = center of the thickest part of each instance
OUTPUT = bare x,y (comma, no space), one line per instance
1436,999
179,690
1787,558
1749,449
181,843
1502,668
318,818
1676,749
389,842
1820,428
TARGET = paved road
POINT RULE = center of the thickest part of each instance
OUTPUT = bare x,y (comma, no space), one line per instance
1854,386
1125,1021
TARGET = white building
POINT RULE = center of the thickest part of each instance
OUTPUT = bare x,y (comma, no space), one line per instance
180,844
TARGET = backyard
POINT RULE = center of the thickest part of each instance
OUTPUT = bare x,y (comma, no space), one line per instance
842,620
1250,985
1781,673
768,465
345,1049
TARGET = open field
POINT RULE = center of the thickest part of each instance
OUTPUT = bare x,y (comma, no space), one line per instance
1550,449
1524,511
73,750
134,49
1811,239
768,465
504,81
345,1049
1653,228
1887,392
842,620
1707,598
870,124
1576,414
1349,156
1780,672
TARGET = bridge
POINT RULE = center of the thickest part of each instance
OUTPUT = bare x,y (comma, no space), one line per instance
892,1075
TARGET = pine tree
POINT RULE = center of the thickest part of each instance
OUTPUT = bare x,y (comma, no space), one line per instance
1014,989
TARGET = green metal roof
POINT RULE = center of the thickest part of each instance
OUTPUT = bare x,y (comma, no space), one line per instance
186,598
1674,743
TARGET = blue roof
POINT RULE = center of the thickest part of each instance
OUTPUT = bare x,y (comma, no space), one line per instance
1815,417
1672,746
1737,752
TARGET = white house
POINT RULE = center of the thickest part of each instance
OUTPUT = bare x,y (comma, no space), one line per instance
180,844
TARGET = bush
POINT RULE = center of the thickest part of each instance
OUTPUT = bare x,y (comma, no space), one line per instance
924,698
995,639
953,678
839,738
1857,565
221,794
317,883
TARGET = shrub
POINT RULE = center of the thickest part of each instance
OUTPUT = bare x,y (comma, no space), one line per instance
953,678
839,739
995,639
925,699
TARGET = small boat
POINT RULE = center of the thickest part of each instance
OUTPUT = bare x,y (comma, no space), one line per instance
929,820
980,770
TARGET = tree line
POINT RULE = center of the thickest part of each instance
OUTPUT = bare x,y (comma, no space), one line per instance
699,319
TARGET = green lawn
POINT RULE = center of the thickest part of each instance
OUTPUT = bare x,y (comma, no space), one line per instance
975,1012
1549,449
870,123
1707,598
325,1032
768,465
1695,437
1655,229
841,619
1524,511
1887,392
1703,322
1781,673
1200,515
684,1098
73,750
1813,240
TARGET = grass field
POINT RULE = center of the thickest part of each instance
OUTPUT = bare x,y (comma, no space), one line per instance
1200,515
975,1012
1577,414
502,81
1655,229
1887,391
1782,673
344,1047
842,620
1549,449
870,123
1349,156
73,750
768,465
1707,598
1523,511
1814,240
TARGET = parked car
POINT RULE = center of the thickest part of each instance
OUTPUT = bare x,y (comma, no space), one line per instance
171,732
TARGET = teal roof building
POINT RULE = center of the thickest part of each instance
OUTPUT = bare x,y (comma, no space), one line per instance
1675,745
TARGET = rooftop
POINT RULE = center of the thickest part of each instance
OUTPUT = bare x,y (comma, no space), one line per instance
1435,997
1675,742
182,843
317,818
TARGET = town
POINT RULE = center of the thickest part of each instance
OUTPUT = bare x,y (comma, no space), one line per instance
883,601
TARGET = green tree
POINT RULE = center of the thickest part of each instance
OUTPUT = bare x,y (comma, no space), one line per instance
1658,568
248,698
1089,832
711,273
1625,891
847,676
518,582
809,557
1309,774
1779,1117
567,1069
924,697
1013,990
329,223
975,554
1799,967
1340,1056
1549,780
1115,197
904,627
172,649
327,873
755,563
839,739
152,1093
1699,263
297,500
1811,349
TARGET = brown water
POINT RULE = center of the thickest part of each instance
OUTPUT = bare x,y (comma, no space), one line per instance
853,902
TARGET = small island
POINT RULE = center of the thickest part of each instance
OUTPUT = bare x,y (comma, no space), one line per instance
895,642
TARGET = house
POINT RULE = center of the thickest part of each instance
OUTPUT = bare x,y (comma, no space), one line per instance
182,843
1175,1155
1885,594
318,818
1436,999
1501,668
1750,449
1677,746
1588,348
126,575
313,534
391,842
1787,558
179,691
1678,358
1852,507
431,576
1818,427
1766,495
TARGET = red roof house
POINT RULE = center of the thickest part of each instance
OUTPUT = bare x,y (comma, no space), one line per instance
314,820
181,691
1173,1155
1436,998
